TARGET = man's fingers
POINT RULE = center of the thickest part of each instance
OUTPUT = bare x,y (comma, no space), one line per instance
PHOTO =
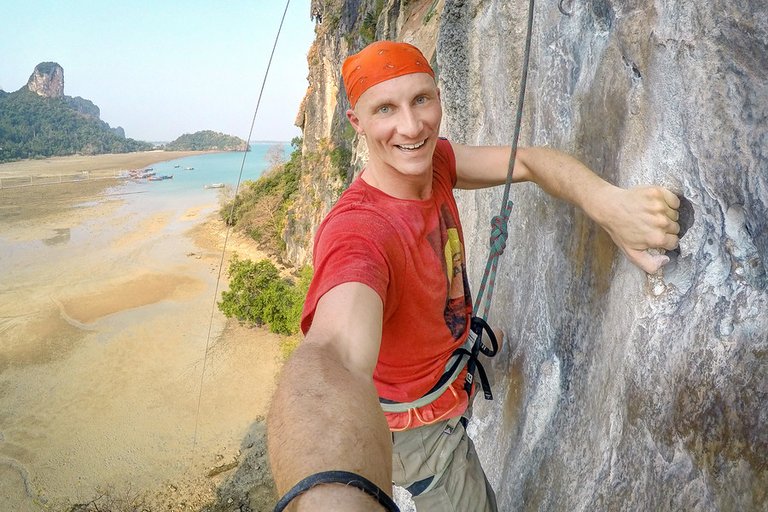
667,202
671,199
650,263
670,242
673,214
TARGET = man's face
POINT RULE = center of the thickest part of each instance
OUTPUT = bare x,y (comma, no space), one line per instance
400,119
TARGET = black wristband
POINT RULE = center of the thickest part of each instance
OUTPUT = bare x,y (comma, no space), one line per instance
338,477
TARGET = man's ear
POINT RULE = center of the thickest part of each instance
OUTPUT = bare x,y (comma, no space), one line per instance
355,121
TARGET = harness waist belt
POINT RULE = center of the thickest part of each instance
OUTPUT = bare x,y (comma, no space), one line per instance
464,356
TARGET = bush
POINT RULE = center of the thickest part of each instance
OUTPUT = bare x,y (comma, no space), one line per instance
259,295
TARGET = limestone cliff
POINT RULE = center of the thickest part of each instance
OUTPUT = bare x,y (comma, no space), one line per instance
39,120
47,80
615,390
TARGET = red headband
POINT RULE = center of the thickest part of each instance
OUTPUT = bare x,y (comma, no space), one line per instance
378,62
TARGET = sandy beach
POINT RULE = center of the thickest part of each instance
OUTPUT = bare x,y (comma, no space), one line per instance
112,391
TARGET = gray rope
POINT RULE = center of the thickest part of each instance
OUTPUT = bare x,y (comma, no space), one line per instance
499,223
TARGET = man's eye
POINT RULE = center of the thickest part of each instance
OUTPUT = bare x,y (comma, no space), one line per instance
384,109
421,99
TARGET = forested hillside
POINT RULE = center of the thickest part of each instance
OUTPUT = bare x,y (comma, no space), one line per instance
33,126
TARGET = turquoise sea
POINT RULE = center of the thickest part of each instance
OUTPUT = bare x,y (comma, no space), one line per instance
211,168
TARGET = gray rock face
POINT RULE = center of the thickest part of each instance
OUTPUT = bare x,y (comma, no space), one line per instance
616,390
47,80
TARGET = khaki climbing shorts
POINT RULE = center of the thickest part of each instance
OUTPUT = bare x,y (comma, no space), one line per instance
438,465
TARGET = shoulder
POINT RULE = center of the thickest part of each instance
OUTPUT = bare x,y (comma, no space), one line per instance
361,231
358,215
364,212
444,161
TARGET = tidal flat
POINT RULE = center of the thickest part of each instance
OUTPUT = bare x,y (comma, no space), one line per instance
111,389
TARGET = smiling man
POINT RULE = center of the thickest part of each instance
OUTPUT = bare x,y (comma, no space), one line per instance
372,395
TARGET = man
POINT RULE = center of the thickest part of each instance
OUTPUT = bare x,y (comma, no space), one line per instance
389,303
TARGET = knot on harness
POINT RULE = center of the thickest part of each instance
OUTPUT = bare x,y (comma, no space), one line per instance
499,232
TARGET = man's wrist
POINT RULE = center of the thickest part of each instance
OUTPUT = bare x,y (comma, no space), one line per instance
336,497
600,204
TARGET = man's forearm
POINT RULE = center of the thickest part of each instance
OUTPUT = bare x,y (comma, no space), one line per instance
324,417
636,219
564,177
557,173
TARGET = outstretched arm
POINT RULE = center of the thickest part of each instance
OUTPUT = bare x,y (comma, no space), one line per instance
636,219
325,414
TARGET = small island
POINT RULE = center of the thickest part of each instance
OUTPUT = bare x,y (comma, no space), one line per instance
207,140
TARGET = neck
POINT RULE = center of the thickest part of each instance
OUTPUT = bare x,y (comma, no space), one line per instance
402,187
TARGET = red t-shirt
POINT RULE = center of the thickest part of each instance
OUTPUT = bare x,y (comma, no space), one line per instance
411,253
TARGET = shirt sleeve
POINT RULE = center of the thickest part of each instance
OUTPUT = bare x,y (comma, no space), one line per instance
350,247
444,162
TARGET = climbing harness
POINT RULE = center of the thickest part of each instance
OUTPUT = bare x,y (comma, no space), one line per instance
231,215
453,368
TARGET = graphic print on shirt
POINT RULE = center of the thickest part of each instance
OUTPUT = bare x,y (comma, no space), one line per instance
451,252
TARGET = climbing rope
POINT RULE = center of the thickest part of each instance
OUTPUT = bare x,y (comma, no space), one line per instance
498,242
229,218
499,223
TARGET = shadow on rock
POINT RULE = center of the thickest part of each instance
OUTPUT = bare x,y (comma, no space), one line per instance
250,487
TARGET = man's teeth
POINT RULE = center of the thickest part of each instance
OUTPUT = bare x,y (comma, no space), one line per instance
412,146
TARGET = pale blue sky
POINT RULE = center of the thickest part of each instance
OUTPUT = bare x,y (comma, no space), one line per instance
162,68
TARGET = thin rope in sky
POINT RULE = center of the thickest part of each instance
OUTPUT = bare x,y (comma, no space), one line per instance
229,218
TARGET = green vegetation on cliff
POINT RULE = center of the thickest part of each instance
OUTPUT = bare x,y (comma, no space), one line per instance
207,140
260,208
257,293
33,126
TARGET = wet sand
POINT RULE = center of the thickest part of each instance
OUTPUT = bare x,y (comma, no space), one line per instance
104,317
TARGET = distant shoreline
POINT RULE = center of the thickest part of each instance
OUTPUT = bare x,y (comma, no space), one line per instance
98,164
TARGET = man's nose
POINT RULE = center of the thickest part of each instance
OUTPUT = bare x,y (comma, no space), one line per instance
409,124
